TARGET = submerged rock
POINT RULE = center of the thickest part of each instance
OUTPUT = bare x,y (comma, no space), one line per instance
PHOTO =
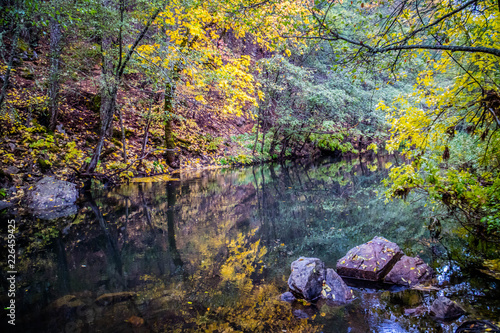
409,271
306,278
419,310
445,309
473,326
370,261
135,321
305,313
335,289
4,205
52,198
112,298
65,305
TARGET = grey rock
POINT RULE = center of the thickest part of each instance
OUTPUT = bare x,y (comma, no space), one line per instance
5,205
369,261
304,313
419,310
306,278
12,170
240,121
60,129
409,271
288,297
50,193
334,288
55,213
445,309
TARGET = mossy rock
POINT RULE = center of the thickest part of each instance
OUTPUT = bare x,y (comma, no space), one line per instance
5,178
91,139
108,151
23,46
27,74
117,133
157,140
44,164
94,103
116,142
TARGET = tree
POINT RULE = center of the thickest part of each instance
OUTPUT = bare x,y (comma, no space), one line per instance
114,62
448,127
13,16
416,25
189,48
55,62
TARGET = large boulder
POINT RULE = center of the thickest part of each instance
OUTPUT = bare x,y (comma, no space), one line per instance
409,271
369,261
306,278
445,309
52,198
334,288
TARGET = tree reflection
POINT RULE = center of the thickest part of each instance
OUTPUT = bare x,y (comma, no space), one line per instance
212,252
172,246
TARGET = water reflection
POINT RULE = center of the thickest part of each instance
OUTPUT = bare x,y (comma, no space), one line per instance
212,252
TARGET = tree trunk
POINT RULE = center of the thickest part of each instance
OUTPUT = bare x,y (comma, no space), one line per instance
111,80
55,58
263,142
108,101
124,142
274,142
171,154
146,132
172,246
109,89
256,139
13,53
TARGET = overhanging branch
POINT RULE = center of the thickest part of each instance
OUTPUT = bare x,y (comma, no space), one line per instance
451,48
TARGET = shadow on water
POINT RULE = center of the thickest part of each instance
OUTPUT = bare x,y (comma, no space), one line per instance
212,252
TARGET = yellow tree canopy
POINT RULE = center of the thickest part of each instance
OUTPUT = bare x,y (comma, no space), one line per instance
189,39
448,126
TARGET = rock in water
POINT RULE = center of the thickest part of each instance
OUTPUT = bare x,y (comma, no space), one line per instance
335,289
306,279
52,197
4,205
444,308
287,297
64,305
475,326
112,298
369,261
409,271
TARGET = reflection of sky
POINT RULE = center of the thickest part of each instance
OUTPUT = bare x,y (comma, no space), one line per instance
444,273
389,326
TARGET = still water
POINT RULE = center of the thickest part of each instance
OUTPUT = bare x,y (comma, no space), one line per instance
211,252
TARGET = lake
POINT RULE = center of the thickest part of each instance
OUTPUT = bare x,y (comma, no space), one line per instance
212,252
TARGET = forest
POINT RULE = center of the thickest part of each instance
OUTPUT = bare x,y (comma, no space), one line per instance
107,93
112,90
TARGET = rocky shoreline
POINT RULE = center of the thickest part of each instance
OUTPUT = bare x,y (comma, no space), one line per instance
377,262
